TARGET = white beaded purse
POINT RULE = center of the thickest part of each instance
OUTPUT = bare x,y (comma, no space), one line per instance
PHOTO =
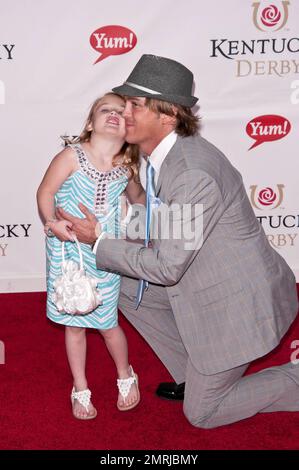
75,292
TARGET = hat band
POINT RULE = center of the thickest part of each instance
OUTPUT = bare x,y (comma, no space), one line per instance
142,88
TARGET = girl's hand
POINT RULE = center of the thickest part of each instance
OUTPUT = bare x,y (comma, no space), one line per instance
60,229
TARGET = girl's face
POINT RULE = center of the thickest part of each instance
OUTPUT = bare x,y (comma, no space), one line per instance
108,119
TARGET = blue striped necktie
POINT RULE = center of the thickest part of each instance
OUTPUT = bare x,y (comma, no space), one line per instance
150,195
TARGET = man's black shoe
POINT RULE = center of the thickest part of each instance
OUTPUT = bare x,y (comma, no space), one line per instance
171,391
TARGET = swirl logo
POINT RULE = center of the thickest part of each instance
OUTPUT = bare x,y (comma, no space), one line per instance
266,197
270,18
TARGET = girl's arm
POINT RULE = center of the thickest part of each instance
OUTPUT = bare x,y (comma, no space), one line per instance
61,167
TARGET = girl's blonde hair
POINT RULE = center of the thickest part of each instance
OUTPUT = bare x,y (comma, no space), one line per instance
129,153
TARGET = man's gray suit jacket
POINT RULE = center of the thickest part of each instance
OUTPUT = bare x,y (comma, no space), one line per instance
234,297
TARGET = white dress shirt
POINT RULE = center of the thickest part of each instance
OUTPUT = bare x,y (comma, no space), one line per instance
156,158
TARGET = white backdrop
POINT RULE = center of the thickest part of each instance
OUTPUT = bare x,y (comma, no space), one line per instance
245,60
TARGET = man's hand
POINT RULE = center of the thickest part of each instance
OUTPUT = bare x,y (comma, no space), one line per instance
83,228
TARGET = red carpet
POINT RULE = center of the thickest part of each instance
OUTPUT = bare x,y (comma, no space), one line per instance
36,383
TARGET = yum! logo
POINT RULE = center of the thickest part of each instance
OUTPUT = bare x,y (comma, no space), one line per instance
112,40
266,197
270,18
267,128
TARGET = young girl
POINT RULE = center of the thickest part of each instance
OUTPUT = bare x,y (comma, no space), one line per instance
95,171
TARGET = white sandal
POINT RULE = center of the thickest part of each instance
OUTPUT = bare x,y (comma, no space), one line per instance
83,398
124,387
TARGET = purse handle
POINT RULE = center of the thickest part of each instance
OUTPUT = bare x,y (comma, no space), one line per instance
79,250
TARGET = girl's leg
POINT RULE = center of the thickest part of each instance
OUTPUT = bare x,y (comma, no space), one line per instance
117,346
75,341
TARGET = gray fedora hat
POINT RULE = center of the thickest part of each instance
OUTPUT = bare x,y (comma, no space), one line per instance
160,78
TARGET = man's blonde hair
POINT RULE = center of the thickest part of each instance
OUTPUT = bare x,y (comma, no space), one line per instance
187,123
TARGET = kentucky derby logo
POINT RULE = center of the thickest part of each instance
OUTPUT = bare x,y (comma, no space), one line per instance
266,197
270,18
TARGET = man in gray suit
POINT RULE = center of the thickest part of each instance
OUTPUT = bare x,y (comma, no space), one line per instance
210,310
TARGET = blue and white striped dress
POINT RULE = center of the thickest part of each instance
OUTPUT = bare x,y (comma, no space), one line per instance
100,192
